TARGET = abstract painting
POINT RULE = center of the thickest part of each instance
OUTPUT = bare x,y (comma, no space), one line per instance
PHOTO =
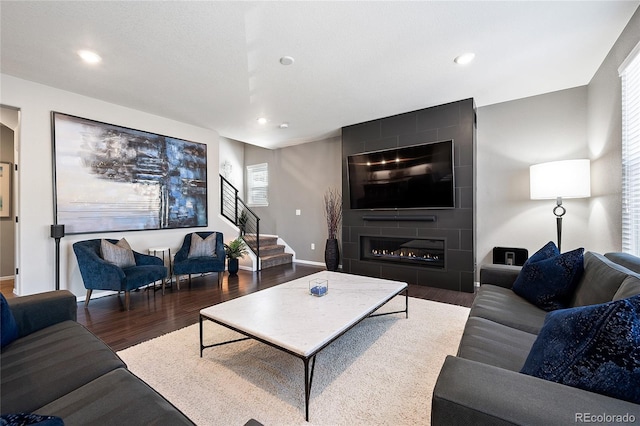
110,178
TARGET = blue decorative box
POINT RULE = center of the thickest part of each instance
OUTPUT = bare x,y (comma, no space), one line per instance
318,287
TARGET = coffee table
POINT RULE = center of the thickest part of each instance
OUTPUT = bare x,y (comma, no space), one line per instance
288,318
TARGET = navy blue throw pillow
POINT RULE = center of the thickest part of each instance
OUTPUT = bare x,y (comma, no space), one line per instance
548,251
548,279
9,327
595,348
29,419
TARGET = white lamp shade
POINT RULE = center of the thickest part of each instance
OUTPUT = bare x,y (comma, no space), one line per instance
566,179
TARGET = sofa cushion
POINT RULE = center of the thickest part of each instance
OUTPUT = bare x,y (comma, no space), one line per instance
629,287
44,365
600,280
503,306
595,348
120,254
137,276
548,279
9,327
202,247
116,398
495,344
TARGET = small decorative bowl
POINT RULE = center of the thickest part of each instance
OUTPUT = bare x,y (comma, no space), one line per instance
318,287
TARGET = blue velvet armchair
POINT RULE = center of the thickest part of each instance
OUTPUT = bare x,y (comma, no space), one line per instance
98,274
185,265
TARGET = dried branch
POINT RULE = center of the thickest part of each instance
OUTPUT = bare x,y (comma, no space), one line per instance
333,211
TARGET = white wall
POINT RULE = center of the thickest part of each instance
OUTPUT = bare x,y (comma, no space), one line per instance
511,136
232,157
36,248
584,122
605,143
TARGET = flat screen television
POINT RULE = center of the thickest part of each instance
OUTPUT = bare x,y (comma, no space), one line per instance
412,177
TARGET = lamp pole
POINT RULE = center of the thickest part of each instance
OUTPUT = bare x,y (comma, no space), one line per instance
559,211
57,232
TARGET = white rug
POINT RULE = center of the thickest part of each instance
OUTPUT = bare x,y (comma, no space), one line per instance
381,372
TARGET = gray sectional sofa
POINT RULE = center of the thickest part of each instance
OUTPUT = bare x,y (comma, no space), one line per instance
483,385
58,368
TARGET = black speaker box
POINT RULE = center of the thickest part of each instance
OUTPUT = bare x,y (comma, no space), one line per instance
57,231
510,256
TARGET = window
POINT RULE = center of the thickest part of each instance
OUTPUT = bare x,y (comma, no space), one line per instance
630,75
258,185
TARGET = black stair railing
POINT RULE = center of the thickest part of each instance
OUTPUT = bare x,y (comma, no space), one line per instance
236,211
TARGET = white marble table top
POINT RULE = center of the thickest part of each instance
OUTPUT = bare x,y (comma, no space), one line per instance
289,317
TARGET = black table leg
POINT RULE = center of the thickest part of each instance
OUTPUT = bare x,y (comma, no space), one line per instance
308,380
201,345
406,302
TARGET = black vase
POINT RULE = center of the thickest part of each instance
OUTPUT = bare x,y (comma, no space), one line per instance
332,254
234,265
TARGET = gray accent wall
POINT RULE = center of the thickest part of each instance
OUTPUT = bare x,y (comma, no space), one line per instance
298,178
456,226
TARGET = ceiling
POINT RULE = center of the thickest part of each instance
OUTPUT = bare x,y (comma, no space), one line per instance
216,64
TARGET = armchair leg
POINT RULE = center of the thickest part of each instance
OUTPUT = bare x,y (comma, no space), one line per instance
219,279
127,300
178,281
88,297
163,281
189,280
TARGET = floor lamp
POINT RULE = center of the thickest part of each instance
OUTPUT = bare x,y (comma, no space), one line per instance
558,180
57,232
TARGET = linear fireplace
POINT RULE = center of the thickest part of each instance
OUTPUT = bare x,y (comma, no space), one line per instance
428,252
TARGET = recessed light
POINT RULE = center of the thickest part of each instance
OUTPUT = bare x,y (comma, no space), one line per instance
287,60
262,120
284,126
465,58
89,57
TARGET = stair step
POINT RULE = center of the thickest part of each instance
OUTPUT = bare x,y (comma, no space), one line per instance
271,253
268,241
271,250
275,260
264,241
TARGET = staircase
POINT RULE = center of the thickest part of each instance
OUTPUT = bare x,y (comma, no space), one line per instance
271,253
265,248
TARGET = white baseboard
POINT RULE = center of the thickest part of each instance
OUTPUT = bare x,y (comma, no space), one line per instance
7,278
309,262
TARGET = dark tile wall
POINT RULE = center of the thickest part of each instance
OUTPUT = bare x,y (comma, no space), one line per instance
457,121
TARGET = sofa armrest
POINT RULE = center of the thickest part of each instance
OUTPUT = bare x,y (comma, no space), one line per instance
38,311
500,275
469,392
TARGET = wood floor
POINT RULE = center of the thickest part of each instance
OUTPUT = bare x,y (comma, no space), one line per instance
153,314
6,288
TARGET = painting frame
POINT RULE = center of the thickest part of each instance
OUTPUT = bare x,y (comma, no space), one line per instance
112,178
5,189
